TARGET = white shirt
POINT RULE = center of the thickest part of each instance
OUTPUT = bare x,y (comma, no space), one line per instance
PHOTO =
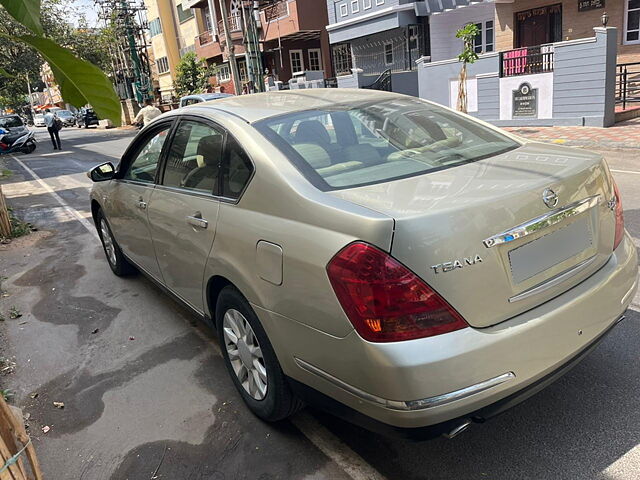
49,119
147,114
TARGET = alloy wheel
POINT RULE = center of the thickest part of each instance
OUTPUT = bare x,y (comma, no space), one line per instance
245,354
109,246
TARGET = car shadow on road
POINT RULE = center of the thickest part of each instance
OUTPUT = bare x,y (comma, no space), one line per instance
575,428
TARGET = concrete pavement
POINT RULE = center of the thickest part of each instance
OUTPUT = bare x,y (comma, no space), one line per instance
163,400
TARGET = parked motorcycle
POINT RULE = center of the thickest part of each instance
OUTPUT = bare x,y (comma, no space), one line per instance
24,142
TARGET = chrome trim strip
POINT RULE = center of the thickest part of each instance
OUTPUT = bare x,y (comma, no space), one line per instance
411,405
539,223
460,394
553,281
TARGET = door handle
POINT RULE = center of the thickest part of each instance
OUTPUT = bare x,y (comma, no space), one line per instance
197,221
142,204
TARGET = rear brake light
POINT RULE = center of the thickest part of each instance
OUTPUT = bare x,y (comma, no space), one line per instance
619,217
384,300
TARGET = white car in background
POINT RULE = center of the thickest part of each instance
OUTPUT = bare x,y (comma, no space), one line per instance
38,120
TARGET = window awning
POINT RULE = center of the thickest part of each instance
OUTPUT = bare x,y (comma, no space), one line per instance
433,7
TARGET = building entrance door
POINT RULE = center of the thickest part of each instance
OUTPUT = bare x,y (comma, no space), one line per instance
538,26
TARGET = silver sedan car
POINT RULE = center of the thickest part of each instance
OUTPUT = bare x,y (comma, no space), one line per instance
402,265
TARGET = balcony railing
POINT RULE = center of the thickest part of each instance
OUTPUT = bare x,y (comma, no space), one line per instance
204,38
276,10
526,61
235,24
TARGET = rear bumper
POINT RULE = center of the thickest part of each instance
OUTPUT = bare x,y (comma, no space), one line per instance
535,346
317,399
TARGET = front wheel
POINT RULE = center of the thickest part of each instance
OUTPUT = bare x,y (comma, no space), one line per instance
28,148
117,261
250,359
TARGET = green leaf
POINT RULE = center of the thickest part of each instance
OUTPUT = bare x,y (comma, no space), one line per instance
4,73
27,12
80,82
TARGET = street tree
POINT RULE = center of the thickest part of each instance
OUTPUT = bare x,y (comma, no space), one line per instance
31,25
467,34
192,75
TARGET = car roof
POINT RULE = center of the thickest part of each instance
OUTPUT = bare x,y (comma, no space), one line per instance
259,106
7,115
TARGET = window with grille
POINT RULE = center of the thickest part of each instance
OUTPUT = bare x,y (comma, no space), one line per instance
184,14
388,53
484,39
155,27
162,64
342,60
632,21
224,73
315,59
297,63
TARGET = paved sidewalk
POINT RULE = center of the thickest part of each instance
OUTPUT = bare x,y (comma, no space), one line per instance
623,135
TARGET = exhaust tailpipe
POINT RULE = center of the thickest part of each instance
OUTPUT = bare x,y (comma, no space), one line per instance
457,430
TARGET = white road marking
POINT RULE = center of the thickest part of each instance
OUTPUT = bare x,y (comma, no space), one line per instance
352,463
348,460
52,153
75,213
624,171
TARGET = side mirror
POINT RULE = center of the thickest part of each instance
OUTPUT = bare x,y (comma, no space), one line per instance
102,173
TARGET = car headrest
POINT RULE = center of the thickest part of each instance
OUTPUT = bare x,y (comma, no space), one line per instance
313,154
363,152
312,131
210,148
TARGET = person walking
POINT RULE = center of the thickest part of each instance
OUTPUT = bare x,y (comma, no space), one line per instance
52,126
147,113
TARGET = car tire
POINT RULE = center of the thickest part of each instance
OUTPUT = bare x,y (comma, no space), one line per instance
116,259
278,400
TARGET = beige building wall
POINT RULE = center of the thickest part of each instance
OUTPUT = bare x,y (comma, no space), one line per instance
574,24
176,37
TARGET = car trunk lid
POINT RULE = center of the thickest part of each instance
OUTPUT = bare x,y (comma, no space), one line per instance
483,237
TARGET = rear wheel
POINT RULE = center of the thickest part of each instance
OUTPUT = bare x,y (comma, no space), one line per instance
117,261
250,359
30,147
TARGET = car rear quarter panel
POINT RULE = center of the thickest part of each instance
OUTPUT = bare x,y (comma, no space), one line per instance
279,206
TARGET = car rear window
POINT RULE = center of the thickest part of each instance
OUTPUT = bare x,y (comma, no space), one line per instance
11,121
350,145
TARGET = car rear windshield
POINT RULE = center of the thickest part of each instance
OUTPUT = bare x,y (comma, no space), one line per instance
11,122
350,145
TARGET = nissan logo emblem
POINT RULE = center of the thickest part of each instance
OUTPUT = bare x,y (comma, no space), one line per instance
550,198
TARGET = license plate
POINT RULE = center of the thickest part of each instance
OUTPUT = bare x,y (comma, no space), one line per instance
535,257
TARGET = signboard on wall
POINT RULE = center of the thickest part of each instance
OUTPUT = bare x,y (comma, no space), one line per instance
584,5
525,101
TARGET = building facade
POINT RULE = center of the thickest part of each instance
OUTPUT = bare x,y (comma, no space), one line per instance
378,37
292,39
173,27
526,23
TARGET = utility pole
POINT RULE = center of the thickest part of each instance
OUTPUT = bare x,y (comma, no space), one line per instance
252,45
141,95
230,48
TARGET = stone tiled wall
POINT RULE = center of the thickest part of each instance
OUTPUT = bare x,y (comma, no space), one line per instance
575,24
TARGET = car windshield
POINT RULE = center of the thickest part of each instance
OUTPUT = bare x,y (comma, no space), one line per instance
351,145
64,113
11,122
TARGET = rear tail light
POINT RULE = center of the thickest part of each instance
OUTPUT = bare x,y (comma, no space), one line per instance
384,300
619,217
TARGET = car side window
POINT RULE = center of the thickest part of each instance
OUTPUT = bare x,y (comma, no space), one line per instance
194,157
144,165
236,171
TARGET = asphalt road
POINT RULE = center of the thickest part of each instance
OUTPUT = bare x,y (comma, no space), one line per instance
145,387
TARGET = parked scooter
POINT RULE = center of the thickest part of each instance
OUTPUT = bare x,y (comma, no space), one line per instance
24,142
